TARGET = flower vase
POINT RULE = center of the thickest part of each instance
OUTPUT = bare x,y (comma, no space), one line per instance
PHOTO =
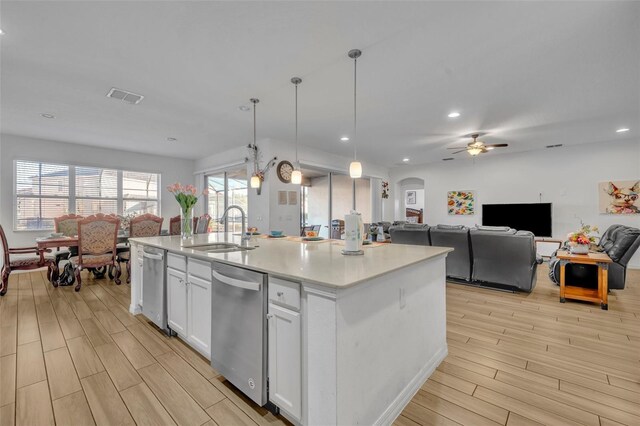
186,222
579,249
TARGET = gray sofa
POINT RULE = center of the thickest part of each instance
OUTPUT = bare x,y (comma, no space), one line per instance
482,255
504,256
458,261
620,243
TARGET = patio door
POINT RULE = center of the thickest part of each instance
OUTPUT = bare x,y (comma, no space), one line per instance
226,189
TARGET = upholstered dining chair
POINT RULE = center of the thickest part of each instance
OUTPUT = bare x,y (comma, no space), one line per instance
38,259
174,226
97,240
146,225
202,224
66,225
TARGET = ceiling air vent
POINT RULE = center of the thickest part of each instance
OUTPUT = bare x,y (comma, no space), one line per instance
123,95
558,145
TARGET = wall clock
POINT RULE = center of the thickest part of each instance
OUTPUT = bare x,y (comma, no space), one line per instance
284,171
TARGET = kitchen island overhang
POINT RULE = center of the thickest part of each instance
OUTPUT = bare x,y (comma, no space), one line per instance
373,327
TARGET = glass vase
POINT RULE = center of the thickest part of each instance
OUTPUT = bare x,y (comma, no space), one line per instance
186,222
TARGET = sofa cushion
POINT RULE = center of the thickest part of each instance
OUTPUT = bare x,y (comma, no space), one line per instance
450,226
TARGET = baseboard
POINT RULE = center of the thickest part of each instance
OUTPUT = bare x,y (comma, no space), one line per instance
391,413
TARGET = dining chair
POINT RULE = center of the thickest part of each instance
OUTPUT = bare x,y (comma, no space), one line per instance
38,259
174,226
66,225
202,224
146,225
97,241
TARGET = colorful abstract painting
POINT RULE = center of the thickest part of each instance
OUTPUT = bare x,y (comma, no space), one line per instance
619,197
461,202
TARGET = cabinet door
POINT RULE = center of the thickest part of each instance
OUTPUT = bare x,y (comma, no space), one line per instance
177,301
285,383
199,315
136,273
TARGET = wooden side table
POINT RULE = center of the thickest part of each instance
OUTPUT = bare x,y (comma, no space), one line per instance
602,261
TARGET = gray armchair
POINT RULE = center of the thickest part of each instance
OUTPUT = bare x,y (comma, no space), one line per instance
415,234
459,260
504,256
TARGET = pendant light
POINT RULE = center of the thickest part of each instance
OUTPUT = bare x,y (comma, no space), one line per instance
255,182
355,168
296,175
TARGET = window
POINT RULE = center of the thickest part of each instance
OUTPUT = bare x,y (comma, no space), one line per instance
226,189
42,193
45,191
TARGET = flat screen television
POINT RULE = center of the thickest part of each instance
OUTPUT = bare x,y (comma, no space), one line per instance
535,217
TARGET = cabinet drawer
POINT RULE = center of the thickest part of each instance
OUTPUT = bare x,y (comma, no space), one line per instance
200,269
177,262
284,293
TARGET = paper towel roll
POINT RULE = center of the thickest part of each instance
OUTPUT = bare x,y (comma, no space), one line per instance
353,231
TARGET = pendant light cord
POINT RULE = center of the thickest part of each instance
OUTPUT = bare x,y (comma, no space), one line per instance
255,147
355,120
297,163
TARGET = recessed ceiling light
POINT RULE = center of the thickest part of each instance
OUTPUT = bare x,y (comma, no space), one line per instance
46,115
344,139
624,129
244,108
1,32
172,139
405,160
453,114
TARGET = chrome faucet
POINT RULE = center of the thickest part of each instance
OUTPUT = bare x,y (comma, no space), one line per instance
244,240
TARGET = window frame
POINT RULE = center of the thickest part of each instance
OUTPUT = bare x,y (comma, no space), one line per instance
71,206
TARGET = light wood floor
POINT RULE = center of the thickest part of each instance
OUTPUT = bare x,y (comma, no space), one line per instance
516,359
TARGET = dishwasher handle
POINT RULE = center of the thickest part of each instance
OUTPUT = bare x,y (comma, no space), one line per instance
247,285
152,256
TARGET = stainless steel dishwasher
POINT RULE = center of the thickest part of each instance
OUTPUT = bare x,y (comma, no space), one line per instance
239,329
154,291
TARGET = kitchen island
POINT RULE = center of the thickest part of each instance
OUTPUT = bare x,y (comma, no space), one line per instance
350,339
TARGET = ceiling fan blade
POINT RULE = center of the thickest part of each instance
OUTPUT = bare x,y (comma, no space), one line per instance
458,147
497,145
457,152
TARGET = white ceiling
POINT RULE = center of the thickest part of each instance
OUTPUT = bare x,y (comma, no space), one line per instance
530,74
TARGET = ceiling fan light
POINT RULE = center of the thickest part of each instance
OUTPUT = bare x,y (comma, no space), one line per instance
255,181
474,151
355,169
296,177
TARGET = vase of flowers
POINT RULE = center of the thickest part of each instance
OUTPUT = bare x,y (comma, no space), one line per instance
581,240
187,198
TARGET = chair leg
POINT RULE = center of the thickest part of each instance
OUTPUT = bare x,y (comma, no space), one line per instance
116,278
129,272
53,274
78,279
4,285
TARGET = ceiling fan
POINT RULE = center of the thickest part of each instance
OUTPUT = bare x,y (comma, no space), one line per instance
477,147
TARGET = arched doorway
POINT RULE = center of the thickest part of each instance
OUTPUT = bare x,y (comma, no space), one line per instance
410,204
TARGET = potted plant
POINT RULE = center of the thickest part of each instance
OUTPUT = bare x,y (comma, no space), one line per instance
580,240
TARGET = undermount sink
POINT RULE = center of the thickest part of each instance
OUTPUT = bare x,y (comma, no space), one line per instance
219,247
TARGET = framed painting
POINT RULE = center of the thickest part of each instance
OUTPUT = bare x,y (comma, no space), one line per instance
461,203
411,197
619,197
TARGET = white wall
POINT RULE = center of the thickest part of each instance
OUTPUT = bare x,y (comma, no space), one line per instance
19,147
567,177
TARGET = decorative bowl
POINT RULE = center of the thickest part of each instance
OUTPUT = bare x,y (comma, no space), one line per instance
276,233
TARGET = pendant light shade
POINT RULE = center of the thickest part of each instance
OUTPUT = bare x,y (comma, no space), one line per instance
296,175
355,168
255,181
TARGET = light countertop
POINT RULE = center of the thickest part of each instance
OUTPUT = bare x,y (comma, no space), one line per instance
318,262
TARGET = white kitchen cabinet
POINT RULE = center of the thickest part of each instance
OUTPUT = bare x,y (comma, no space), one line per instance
177,301
285,374
137,260
199,314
